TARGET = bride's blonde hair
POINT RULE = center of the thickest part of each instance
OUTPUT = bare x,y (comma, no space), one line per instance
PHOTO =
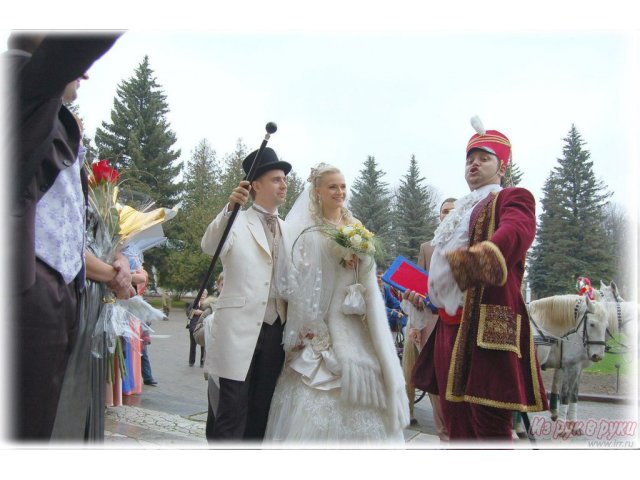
316,178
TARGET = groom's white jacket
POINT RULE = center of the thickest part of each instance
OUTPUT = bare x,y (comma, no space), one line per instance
240,309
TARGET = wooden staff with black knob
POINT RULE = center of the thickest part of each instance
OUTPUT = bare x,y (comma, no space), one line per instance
271,128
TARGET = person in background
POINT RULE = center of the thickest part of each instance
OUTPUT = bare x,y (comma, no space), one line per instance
140,278
213,384
417,337
395,315
166,304
191,325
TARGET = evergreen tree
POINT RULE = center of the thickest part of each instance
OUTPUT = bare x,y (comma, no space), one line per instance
396,234
571,240
513,175
415,217
201,178
295,186
138,141
186,264
91,154
370,202
233,172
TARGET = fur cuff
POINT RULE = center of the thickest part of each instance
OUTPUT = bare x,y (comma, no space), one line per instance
398,416
482,264
362,385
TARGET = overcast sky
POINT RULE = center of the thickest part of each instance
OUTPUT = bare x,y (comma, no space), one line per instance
339,96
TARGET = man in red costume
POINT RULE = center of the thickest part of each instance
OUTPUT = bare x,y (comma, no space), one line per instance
481,359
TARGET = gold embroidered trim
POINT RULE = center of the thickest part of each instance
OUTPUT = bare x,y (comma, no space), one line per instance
496,330
533,361
492,221
462,329
536,407
488,138
467,312
496,404
476,235
500,259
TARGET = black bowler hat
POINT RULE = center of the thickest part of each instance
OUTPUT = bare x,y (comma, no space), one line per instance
268,161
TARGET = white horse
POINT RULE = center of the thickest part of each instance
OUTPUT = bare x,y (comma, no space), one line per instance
622,317
571,335
607,293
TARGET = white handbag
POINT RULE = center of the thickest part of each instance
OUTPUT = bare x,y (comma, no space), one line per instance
354,303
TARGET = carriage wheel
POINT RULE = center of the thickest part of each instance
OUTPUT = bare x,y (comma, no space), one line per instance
419,395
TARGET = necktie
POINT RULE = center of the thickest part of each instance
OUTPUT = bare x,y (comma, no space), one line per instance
272,220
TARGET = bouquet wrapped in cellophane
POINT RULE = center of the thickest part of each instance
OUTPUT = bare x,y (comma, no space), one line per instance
111,227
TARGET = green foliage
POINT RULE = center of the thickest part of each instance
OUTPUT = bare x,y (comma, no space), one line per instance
138,140
233,172
513,175
415,218
295,186
571,240
370,203
608,364
185,264
91,154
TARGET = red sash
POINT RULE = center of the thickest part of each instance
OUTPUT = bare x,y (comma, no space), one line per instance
450,319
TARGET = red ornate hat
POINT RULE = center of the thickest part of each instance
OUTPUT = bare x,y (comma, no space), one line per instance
491,141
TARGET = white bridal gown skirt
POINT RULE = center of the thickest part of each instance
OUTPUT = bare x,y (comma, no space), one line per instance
302,414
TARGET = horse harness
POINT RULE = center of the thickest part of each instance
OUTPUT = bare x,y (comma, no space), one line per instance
620,325
547,340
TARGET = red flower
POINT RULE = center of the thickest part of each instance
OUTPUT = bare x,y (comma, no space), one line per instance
102,172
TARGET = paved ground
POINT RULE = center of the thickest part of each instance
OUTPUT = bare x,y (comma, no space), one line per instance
173,414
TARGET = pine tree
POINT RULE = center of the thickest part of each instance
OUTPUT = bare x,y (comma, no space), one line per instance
186,264
233,172
415,217
571,240
90,153
138,141
295,186
201,178
513,175
370,202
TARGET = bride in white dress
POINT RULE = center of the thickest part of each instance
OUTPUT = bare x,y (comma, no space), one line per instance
342,381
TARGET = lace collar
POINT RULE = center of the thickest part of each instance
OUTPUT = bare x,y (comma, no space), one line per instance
461,207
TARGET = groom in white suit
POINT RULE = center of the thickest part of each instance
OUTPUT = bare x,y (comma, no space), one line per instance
244,349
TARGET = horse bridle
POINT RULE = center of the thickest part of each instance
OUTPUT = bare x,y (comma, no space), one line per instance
585,334
586,342
617,298
620,324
